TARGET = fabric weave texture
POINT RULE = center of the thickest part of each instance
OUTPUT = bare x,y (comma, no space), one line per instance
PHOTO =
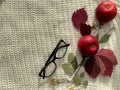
29,31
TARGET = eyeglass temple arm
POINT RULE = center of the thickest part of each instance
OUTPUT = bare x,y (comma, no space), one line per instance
55,49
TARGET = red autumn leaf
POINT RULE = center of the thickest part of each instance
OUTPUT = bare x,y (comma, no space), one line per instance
108,54
91,67
79,16
107,65
106,60
100,64
85,29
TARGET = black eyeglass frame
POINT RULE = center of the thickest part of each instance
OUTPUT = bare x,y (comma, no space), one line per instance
53,57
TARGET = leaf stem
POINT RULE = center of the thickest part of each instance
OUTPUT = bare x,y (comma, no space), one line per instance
112,28
78,68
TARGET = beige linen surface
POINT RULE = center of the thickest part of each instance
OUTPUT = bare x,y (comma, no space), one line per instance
30,29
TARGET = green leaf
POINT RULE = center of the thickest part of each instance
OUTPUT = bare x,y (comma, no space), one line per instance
70,57
82,75
77,80
74,63
105,38
97,36
68,69
72,60
85,83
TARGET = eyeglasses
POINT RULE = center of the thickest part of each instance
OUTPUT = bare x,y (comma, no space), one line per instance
50,65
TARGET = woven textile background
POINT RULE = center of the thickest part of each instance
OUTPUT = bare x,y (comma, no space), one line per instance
29,31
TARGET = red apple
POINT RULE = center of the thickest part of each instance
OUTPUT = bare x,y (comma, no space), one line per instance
106,11
88,45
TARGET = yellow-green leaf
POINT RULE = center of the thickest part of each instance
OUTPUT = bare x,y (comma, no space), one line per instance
105,38
74,63
82,75
70,57
85,83
72,60
77,80
68,69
